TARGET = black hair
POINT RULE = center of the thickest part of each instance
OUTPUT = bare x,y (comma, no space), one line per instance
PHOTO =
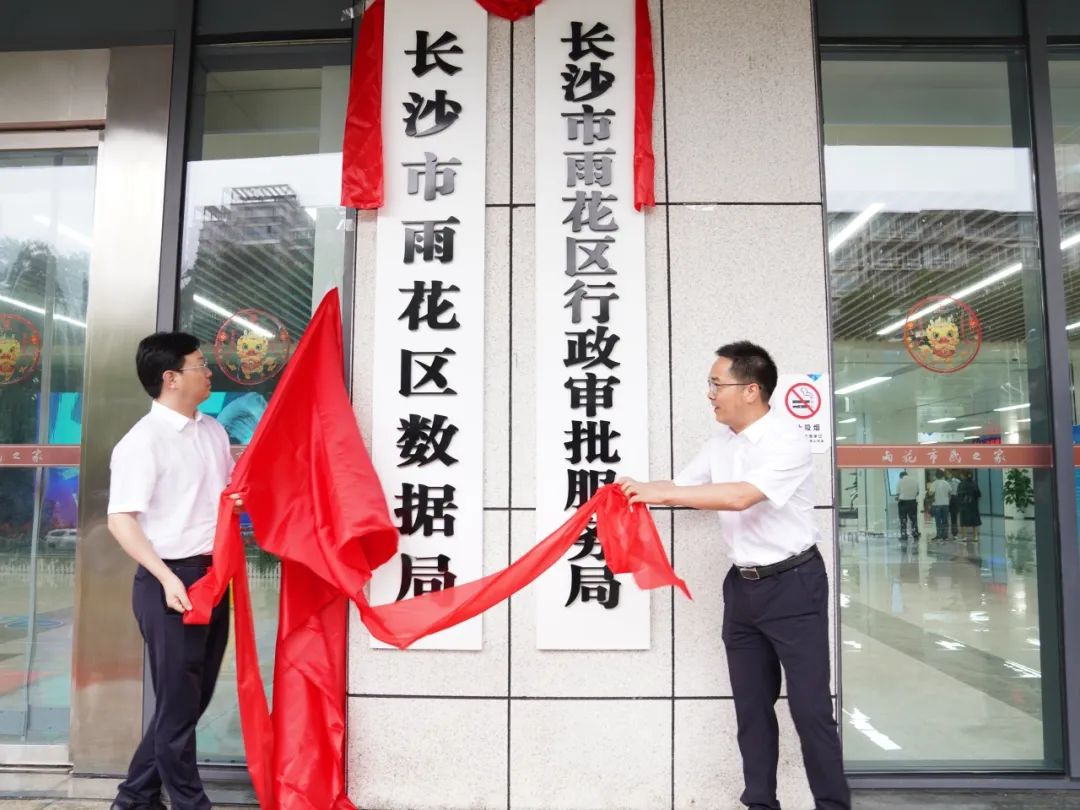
161,352
750,364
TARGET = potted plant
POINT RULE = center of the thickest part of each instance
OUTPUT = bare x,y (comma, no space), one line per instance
1018,491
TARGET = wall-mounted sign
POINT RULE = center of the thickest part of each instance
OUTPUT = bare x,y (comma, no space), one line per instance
804,400
591,377
428,402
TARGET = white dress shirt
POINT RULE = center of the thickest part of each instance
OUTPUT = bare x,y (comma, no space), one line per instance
908,489
942,491
170,471
774,456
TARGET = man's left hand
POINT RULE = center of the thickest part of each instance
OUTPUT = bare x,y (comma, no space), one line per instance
653,492
238,504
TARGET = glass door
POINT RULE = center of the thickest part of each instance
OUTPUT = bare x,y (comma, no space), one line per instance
46,221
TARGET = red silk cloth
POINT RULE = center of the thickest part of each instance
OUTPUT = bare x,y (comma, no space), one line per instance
315,501
510,9
362,158
361,151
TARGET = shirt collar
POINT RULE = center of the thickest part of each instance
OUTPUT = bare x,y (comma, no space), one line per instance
754,431
174,419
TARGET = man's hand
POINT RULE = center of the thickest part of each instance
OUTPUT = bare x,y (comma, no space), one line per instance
654,492
176,597
238,504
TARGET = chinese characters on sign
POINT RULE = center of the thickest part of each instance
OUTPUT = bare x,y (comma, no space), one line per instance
591,397
428,403
946,455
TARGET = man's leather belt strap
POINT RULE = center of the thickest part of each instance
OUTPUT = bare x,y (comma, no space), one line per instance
762,571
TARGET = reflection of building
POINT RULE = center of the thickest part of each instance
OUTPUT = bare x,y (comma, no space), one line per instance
255,251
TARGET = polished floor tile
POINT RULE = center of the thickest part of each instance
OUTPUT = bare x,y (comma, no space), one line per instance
34,791
996,800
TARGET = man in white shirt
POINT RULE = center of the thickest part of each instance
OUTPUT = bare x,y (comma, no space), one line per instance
756,473
942,493
907,496
167,476
954,502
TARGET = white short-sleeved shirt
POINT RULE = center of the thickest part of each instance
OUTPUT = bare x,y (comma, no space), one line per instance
774,456
908,490
942,491
170,471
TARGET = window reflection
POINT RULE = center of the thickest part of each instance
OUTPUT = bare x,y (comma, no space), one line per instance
937,325
263,240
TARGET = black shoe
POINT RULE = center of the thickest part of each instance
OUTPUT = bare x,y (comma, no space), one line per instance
117,804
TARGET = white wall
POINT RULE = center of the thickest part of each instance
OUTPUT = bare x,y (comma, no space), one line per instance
734,250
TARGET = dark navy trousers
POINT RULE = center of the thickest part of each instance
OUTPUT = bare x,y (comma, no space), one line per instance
184,664
783,621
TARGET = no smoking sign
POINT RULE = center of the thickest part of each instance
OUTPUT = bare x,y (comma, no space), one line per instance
803,400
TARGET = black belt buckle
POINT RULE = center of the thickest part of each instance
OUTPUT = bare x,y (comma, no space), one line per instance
745,573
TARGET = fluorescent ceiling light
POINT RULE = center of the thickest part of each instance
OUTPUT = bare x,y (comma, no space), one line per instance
1073,325
1024,420
841,438
1013,407
220,310
39,311
971,427
846,421
993,278
941,420
854,224
850,389
1069,241
70,233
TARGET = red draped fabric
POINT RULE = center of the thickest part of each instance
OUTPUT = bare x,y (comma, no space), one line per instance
314,500
361,151
510,9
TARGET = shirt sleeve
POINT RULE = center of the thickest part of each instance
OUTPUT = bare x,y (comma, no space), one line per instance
698,471
786,466
132,479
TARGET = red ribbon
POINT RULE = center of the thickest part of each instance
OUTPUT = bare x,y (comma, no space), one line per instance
362,158
510,9
362,149
315,502
644,92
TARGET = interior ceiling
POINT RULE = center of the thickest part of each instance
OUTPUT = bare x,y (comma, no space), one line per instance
898,259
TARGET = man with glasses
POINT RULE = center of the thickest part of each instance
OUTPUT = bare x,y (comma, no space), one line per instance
167,476
756,473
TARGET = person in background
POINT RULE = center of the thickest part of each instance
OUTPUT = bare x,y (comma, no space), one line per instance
954,502
907,497
941,492
968,496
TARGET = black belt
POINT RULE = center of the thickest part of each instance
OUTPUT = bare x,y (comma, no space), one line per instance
198,559
762,571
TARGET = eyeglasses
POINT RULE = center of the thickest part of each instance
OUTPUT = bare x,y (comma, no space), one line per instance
715,386
199,367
